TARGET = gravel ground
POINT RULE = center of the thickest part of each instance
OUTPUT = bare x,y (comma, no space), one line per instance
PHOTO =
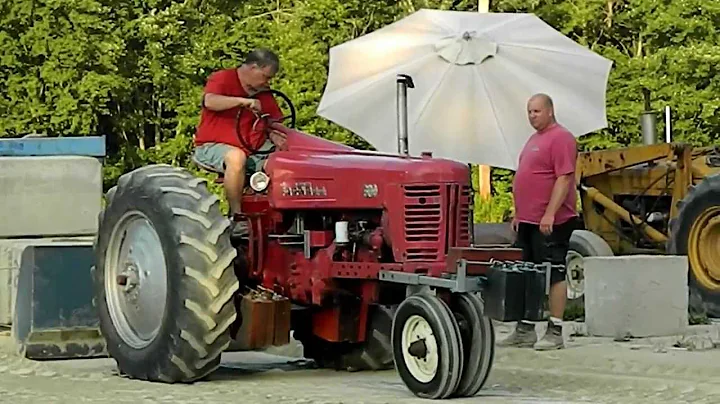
592,370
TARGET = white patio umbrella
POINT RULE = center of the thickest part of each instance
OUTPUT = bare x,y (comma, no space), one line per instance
473,74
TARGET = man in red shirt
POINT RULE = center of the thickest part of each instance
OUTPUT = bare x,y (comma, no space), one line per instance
545,214
226,140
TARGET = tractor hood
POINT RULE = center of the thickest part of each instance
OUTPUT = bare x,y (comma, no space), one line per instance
316,173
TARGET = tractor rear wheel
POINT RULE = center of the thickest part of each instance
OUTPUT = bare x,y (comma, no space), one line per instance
427,347
164,276
695,232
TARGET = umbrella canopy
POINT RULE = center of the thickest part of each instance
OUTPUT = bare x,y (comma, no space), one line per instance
473,75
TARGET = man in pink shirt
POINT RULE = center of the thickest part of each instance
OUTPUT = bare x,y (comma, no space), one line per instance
545,214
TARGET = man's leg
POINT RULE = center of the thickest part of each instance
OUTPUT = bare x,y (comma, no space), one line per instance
230,161
234,184
524,335
555,249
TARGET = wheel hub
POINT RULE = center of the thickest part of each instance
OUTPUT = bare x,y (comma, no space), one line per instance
136,280
575,275
420,349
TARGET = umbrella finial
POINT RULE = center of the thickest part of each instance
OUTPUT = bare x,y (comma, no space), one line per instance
466,49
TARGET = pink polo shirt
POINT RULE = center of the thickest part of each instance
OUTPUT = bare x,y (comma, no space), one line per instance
546,156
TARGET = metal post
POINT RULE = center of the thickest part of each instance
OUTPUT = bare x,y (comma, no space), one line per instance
668,125
403,83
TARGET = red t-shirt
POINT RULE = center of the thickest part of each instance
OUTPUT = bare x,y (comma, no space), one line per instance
219,126
546,156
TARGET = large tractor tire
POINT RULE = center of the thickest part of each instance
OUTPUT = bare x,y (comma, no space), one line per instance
583,243
695,232
164,276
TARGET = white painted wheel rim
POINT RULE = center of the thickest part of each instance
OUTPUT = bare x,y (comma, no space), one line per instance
423,369
136,280
575,275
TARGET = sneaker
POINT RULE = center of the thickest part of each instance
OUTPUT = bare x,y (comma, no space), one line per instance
553,338
524,336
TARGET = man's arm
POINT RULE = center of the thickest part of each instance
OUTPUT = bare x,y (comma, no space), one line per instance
217,102
214,97
564,157
559,193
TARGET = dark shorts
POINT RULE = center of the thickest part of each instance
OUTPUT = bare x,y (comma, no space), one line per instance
539,248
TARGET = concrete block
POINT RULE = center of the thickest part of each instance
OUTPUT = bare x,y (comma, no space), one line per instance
11,252
636,296
49,196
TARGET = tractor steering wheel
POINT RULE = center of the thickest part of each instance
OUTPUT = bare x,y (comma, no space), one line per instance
265,118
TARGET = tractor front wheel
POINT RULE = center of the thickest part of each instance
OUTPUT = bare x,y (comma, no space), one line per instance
478,340
427,346
164,277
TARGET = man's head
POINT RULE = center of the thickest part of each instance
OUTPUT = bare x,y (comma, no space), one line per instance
259,67
541,113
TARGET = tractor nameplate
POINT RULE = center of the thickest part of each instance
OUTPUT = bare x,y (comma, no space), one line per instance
303,189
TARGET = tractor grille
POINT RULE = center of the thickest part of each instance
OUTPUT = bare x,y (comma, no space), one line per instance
423,220
464,218
436,217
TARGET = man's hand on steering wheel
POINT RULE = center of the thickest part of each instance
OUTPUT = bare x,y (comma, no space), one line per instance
254,105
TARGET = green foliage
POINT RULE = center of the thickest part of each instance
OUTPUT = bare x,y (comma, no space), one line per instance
134,70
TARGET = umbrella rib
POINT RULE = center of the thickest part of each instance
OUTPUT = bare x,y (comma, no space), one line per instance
509,21
589,53
492,106
429,95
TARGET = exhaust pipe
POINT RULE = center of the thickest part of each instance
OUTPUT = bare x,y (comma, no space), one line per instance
403,83
648,121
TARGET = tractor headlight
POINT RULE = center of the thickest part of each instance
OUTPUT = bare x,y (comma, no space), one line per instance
259,181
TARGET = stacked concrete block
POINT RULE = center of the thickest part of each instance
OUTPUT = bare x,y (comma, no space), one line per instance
636,296
46,196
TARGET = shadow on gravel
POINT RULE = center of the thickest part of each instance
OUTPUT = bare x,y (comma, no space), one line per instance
240,366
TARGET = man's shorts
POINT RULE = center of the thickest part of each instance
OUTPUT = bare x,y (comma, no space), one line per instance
539,248
213,156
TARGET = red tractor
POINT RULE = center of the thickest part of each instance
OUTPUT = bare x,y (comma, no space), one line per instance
366,257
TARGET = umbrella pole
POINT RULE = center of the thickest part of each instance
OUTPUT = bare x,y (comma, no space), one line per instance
403,83
484,178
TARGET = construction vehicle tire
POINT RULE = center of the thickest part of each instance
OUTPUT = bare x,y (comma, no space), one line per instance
583,243
695,232
375,353
164,278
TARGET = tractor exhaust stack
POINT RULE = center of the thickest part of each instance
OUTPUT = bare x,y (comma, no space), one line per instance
648,121
403,83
